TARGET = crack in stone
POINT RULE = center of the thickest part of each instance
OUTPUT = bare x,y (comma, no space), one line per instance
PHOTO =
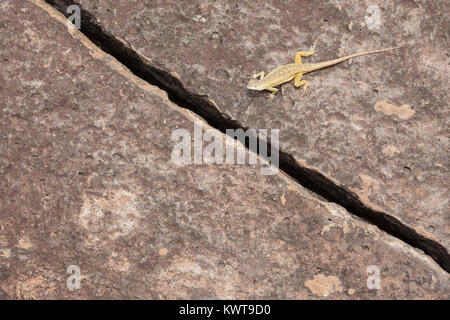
311,179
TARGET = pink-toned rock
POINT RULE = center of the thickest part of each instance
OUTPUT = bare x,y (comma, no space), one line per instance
353,111
87,181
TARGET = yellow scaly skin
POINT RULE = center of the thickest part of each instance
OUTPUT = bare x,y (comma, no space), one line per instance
296,70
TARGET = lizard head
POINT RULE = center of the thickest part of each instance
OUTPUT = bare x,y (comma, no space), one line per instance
255,84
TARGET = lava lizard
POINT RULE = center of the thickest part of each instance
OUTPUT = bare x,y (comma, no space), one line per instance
296,70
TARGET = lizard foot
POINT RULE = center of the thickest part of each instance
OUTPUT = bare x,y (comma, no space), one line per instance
313,50
305,90
256,75
271,96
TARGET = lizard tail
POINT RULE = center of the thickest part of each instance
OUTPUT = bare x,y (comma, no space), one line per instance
325,64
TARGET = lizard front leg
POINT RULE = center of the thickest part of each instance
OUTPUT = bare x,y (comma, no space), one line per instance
274,92
260,75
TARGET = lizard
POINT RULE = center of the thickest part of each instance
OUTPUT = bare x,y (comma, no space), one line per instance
296,70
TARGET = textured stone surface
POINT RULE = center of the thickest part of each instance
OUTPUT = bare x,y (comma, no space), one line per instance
86,180
378,125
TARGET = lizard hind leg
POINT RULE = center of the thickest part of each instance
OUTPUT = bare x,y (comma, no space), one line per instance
298,82
300,54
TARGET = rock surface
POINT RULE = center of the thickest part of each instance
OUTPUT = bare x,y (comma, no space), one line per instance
378,126
87,180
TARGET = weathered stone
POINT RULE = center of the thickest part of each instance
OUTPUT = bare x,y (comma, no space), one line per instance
378,126
87,180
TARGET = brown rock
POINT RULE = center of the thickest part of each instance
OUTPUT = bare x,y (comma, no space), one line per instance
395,100
87,180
